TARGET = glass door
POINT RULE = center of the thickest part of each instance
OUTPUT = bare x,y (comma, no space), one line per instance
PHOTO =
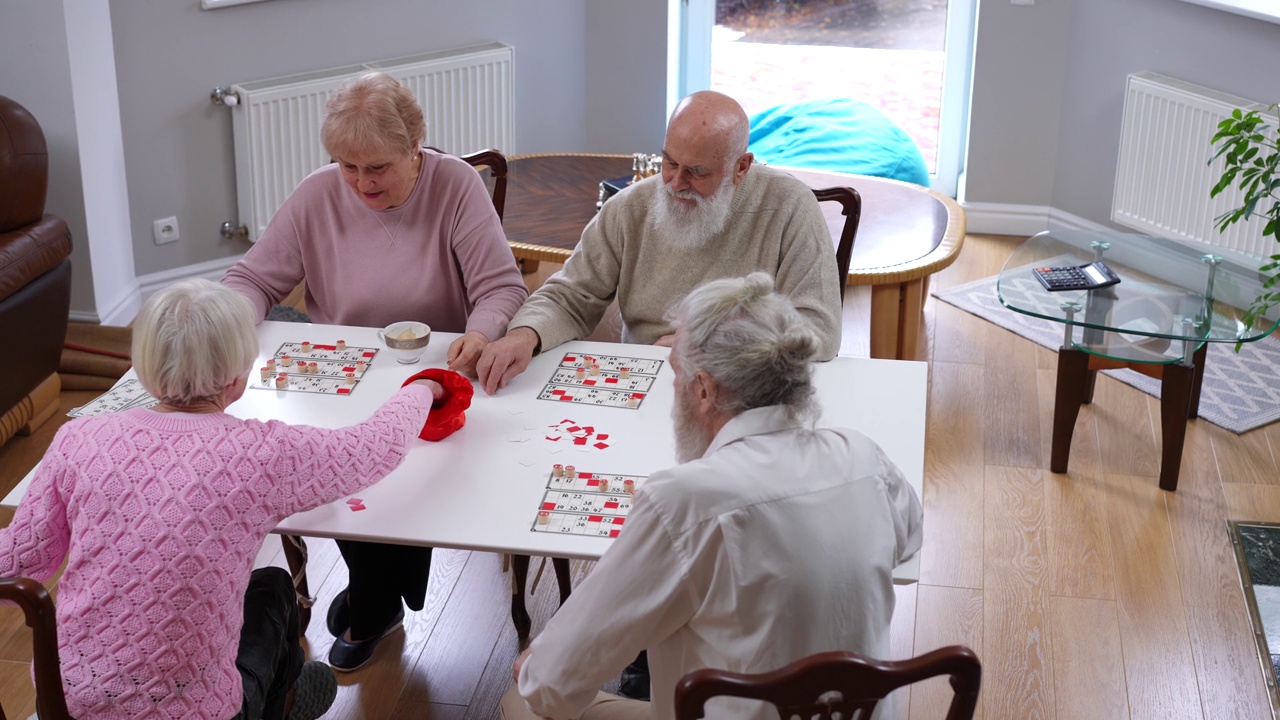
910,61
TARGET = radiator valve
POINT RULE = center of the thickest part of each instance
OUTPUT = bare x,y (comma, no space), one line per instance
232,232
224,96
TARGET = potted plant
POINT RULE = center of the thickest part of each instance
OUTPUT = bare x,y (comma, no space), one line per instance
1247,141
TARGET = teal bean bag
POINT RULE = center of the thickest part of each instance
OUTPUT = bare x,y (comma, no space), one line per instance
839,135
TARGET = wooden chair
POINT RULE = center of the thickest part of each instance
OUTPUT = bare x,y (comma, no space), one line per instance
851,204
496,162
37,608
822,685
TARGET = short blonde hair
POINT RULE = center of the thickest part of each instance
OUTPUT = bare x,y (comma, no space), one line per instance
192,339
372,115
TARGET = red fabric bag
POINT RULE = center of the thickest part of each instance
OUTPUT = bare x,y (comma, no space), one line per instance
448,413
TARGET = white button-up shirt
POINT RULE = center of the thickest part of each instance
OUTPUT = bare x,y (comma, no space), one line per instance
778,543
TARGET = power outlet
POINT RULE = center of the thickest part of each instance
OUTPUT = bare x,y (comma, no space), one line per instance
165,230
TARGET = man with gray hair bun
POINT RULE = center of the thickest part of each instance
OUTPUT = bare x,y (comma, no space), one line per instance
771,541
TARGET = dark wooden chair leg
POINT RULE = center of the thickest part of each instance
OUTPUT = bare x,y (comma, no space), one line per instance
1199,358
295,554
1175,396
519,612
1073,371
564,580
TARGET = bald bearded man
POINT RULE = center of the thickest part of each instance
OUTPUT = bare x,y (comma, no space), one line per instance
710,214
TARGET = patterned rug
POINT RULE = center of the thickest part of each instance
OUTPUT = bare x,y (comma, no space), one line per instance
1241,391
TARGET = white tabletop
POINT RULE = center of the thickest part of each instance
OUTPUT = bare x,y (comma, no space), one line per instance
481,488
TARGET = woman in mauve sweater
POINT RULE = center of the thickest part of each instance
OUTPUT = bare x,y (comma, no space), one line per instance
390,231
159,513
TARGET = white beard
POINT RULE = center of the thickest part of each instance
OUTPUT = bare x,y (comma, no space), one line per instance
691,441
692,226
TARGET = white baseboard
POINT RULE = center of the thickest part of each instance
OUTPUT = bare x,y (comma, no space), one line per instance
209,270
1027,220
983,218
125,309
1063,220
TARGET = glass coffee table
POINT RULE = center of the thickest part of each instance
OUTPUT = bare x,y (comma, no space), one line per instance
1172,299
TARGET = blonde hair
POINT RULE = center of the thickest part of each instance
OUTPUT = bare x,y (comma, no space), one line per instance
192,339
752,341
372,115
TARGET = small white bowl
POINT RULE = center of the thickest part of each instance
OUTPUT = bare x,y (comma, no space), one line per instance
407,340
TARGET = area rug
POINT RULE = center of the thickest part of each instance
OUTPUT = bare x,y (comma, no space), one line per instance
1257,549
1241,391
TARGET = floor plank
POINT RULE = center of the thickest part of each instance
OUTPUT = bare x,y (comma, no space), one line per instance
952,552
1079,563
1153,629
1015,596
944,616
1230,675
1088,662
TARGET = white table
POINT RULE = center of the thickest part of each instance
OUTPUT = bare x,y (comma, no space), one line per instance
479,490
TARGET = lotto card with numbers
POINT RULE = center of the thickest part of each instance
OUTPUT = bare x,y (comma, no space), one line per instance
125,395
585,503
328,369
602,380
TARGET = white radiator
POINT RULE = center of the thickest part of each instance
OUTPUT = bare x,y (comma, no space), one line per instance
466,93
1163,177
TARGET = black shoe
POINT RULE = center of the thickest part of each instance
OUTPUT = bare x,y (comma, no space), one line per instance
347,655
339,617
635,679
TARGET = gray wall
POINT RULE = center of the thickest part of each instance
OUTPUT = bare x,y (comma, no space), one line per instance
1108,40
169,55
1049,89
35,71
626,75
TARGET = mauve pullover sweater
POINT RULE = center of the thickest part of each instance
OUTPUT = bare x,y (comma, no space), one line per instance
160,517
440,258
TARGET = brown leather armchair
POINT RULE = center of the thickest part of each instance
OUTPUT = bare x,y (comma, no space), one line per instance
35,276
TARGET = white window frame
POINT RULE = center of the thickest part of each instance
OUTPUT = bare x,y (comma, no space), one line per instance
1268,10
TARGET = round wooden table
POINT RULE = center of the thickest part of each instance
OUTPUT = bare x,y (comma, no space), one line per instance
906,234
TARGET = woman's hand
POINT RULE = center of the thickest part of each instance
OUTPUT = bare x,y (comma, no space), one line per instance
437,390
465,351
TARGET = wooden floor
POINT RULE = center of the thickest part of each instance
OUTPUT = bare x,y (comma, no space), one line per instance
1088,595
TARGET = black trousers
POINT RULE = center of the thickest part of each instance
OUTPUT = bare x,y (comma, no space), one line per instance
270,655
380,576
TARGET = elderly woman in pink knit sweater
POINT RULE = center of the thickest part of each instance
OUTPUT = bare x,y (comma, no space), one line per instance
159,513
389,231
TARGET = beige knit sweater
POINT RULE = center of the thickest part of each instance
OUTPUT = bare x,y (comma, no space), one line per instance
775,226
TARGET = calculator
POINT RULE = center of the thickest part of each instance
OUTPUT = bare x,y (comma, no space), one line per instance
1073,277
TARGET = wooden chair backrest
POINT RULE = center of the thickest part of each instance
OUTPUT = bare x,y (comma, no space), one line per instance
821,685
37,609
851,203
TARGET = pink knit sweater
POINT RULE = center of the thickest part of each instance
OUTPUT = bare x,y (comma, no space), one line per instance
160,517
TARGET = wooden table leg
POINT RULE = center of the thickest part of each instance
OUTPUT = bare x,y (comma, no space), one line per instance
1175,399
519,612
886,308
1073,373
295,554
910,319
527,267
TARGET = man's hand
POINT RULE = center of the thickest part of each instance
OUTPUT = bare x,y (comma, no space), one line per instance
665,341
437,390
515,670
504,359
465,351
